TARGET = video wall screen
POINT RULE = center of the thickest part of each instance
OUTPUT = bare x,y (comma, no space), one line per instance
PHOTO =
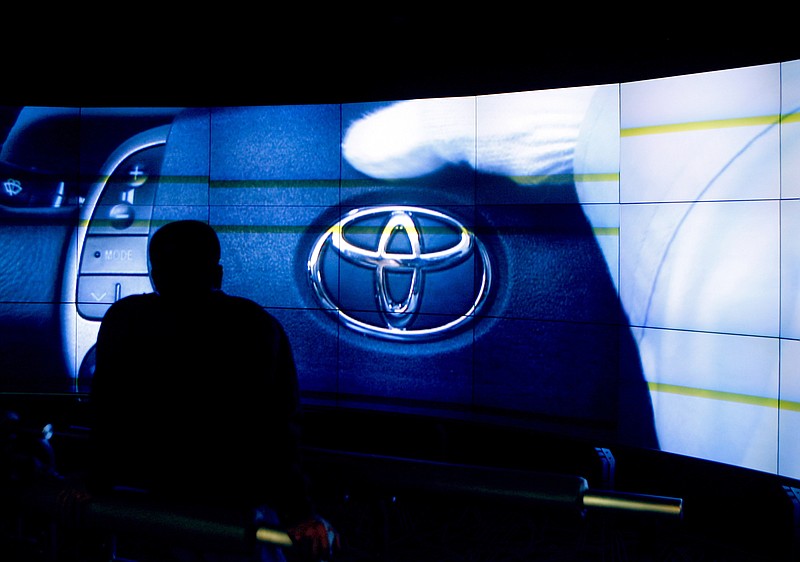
619,262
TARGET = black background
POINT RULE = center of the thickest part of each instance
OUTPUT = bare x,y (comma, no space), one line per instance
254,54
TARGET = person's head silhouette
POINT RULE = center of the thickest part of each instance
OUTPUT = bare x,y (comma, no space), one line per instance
184,259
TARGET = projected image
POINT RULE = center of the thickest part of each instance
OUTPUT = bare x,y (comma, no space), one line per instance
789,396
612,262
700,247
509,159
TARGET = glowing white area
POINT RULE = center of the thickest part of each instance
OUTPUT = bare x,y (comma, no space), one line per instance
702,266
530,134
519,134
738,434
412,138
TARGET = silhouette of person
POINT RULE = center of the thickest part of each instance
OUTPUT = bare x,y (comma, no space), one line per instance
195,394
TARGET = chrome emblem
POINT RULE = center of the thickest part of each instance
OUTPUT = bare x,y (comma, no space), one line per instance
400,273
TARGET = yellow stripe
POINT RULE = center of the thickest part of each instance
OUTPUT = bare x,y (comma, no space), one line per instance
611,176
724,396
139,223
606,230
541,179
554,179
791,118
301,228
705,125
198,179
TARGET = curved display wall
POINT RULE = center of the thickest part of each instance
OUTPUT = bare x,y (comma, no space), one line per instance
618,262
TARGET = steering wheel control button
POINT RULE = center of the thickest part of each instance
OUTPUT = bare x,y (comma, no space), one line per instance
137,175
121,218
126,203
97,292
107,255
114,254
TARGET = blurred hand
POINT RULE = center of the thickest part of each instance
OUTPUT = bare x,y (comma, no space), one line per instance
70,503
315,539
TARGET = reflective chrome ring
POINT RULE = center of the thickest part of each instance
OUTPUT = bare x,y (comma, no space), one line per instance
398,315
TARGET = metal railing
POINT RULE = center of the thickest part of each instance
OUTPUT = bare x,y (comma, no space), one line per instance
135,514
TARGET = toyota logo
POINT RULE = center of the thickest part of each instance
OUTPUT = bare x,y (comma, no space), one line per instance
400,273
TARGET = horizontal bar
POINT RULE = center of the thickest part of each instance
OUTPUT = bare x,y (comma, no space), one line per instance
137,515
633,502
501,484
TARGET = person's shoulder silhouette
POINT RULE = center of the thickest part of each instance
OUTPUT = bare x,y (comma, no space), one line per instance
195,392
